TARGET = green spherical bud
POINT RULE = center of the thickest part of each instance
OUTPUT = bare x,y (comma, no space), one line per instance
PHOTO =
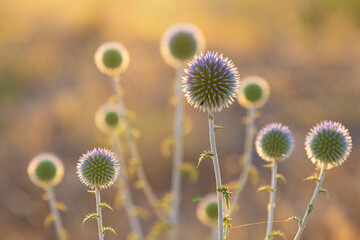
112,118
274,142
212,210
180,43
254,92
111,58
207,210
107,118
46,170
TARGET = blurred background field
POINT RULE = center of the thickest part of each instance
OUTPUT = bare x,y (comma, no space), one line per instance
309,52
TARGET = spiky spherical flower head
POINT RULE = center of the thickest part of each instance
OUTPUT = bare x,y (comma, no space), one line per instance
180,43
98,168
211,82
207,210
254,92
46,170
274,142
107,118
111,58
328,143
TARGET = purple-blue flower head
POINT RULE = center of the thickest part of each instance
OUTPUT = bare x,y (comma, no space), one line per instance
274,142
328,143
98,168
211,82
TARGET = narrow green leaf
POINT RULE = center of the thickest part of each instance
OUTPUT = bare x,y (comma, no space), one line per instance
226,193
265,187
299,220
90,216
196,199
106,205
91,191
61,206
323,190
280,176
269,165
312,178
210,117
277,234
205,154
107,229
309,210
216,127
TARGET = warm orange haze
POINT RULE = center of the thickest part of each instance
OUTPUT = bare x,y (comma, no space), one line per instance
50,90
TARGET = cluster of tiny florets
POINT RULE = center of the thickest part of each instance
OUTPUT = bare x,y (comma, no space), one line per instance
98,168
254,92
328,143
274,142
207,210
107,118
180,43
111,58
211,82
46,170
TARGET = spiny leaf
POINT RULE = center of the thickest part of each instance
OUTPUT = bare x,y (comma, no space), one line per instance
48,220
269,165
227,226
103,204
280,176
226,193
106,229
157,229
205,154
323,190
309,210
61,206
312,178
265,187
216,127
91,191
299,220
90,216
277,234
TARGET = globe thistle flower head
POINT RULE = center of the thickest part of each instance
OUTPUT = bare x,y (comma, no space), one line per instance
211,82
274,142
46,170
328,143
207,210
111,58
107,118
98,168
180,43
254,92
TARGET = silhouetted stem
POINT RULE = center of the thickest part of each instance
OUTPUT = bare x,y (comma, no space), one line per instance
98,211
149,193
244,174
311,204
271,205
177,155
60,232
217,176
129,206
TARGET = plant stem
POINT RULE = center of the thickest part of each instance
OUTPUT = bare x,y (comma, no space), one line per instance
244,174
98,211
271,205
60,232
213,234
125,191
217,176
177,155
311,204
149,193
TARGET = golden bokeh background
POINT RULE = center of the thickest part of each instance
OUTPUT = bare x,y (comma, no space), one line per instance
308,50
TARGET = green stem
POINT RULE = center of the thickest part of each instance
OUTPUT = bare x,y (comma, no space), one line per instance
271,205
217,176
149,193
129,206
177,155
311,204
98,211
244,174
60,232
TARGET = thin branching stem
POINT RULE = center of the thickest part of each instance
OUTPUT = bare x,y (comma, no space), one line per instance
177,154
244,174
217,176
98,212
134,152
311,204
271,206
129,206
59,228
